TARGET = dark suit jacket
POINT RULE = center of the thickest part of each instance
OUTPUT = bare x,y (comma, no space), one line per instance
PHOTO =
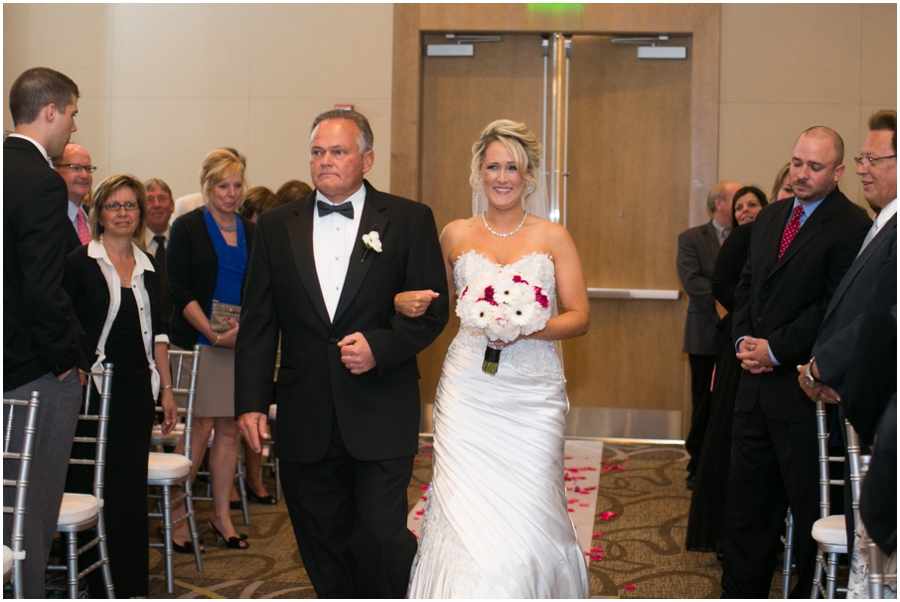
40,330
834,347
72,240
784,301
192,268
698,248
378,411
85,284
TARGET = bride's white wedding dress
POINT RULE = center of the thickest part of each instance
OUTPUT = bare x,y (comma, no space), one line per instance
496,524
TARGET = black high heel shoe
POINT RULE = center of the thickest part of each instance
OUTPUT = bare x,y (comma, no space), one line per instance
235,543
268,500
187,548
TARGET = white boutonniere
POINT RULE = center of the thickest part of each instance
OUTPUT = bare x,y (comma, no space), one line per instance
372,242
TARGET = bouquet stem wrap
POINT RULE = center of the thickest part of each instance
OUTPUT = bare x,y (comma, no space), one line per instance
491,359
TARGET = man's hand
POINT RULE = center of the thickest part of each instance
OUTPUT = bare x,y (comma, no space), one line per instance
356,354
754,355
63,376
254,427
819,393
413,304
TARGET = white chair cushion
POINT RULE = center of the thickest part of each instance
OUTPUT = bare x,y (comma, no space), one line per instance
7,564
77,508
831,530
167,466
170,440
273,410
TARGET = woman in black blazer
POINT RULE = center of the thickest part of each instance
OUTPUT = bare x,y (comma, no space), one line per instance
205,261
114,288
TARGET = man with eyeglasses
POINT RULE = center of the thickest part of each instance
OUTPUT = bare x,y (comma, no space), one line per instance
800,249
822,378
74,165
41,351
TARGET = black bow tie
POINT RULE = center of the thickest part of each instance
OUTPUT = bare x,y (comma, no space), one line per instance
345,209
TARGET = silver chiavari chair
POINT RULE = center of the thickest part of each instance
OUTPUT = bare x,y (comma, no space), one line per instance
80,511
14,558
166,471
830,531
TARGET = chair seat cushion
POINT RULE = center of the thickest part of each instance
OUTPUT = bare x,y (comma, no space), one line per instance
7,564
831,530
167,466
77,508
170,440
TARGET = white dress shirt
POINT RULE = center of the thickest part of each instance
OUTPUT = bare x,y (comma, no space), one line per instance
97,251
889,211
73,215
333,239
34,142
152,244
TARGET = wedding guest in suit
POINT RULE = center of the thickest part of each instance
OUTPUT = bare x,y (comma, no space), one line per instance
347,388
40,344
292,190
74,165
697,251
189,202
823,376
799,251
206,260
704,533
160,207
111,274
258,199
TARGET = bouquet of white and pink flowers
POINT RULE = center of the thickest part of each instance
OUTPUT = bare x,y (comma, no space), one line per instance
505,306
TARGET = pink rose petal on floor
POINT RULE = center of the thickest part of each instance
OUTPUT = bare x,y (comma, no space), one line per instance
429,456
597,534
572,469
424,498
607,515
572,501
596,549
416,518
587,553
585,505
571,509
423,487
568,457
597,557
629,587
420,512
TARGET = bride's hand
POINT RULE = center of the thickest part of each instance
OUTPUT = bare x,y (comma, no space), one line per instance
413,304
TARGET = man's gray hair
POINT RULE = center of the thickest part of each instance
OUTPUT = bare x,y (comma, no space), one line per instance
366,138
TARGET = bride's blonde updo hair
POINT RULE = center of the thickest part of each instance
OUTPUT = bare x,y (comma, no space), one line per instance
518,140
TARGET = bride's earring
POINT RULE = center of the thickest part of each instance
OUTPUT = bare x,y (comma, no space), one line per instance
529,188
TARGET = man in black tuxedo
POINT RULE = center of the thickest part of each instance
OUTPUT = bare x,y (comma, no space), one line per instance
347,390
823,377
40,350
74,165
799,251
698,248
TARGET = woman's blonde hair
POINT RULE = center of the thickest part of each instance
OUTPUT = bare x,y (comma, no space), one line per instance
105,190
521,143
220,165
785,169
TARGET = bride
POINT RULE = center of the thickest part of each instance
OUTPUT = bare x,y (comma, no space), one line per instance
496,524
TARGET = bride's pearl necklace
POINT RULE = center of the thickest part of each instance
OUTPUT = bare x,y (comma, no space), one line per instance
495,233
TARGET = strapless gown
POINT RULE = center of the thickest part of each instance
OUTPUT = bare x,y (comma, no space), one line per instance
496,524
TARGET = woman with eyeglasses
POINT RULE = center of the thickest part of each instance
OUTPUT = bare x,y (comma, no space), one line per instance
114,288
206,260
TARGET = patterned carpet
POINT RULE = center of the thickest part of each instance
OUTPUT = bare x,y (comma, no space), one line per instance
642,542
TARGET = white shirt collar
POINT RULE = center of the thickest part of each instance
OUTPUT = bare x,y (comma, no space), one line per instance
149,234
34,142
73,211
356,198
96,250
889,211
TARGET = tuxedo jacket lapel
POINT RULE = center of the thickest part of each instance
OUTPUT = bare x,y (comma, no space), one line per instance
300,233
372,219
810,228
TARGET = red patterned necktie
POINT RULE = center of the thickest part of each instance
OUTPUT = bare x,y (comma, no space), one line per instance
84,233
790,230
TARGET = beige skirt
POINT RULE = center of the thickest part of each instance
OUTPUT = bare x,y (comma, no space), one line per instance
215,382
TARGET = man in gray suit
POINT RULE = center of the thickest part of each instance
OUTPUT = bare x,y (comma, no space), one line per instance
698,248
822,378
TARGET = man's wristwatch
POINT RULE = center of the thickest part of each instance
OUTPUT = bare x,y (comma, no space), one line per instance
811,381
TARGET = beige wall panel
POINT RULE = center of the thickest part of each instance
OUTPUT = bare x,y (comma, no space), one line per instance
756,139
878,66
72,38
297,51
278,148
181,50
94,134
796,53
630,358
201,124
